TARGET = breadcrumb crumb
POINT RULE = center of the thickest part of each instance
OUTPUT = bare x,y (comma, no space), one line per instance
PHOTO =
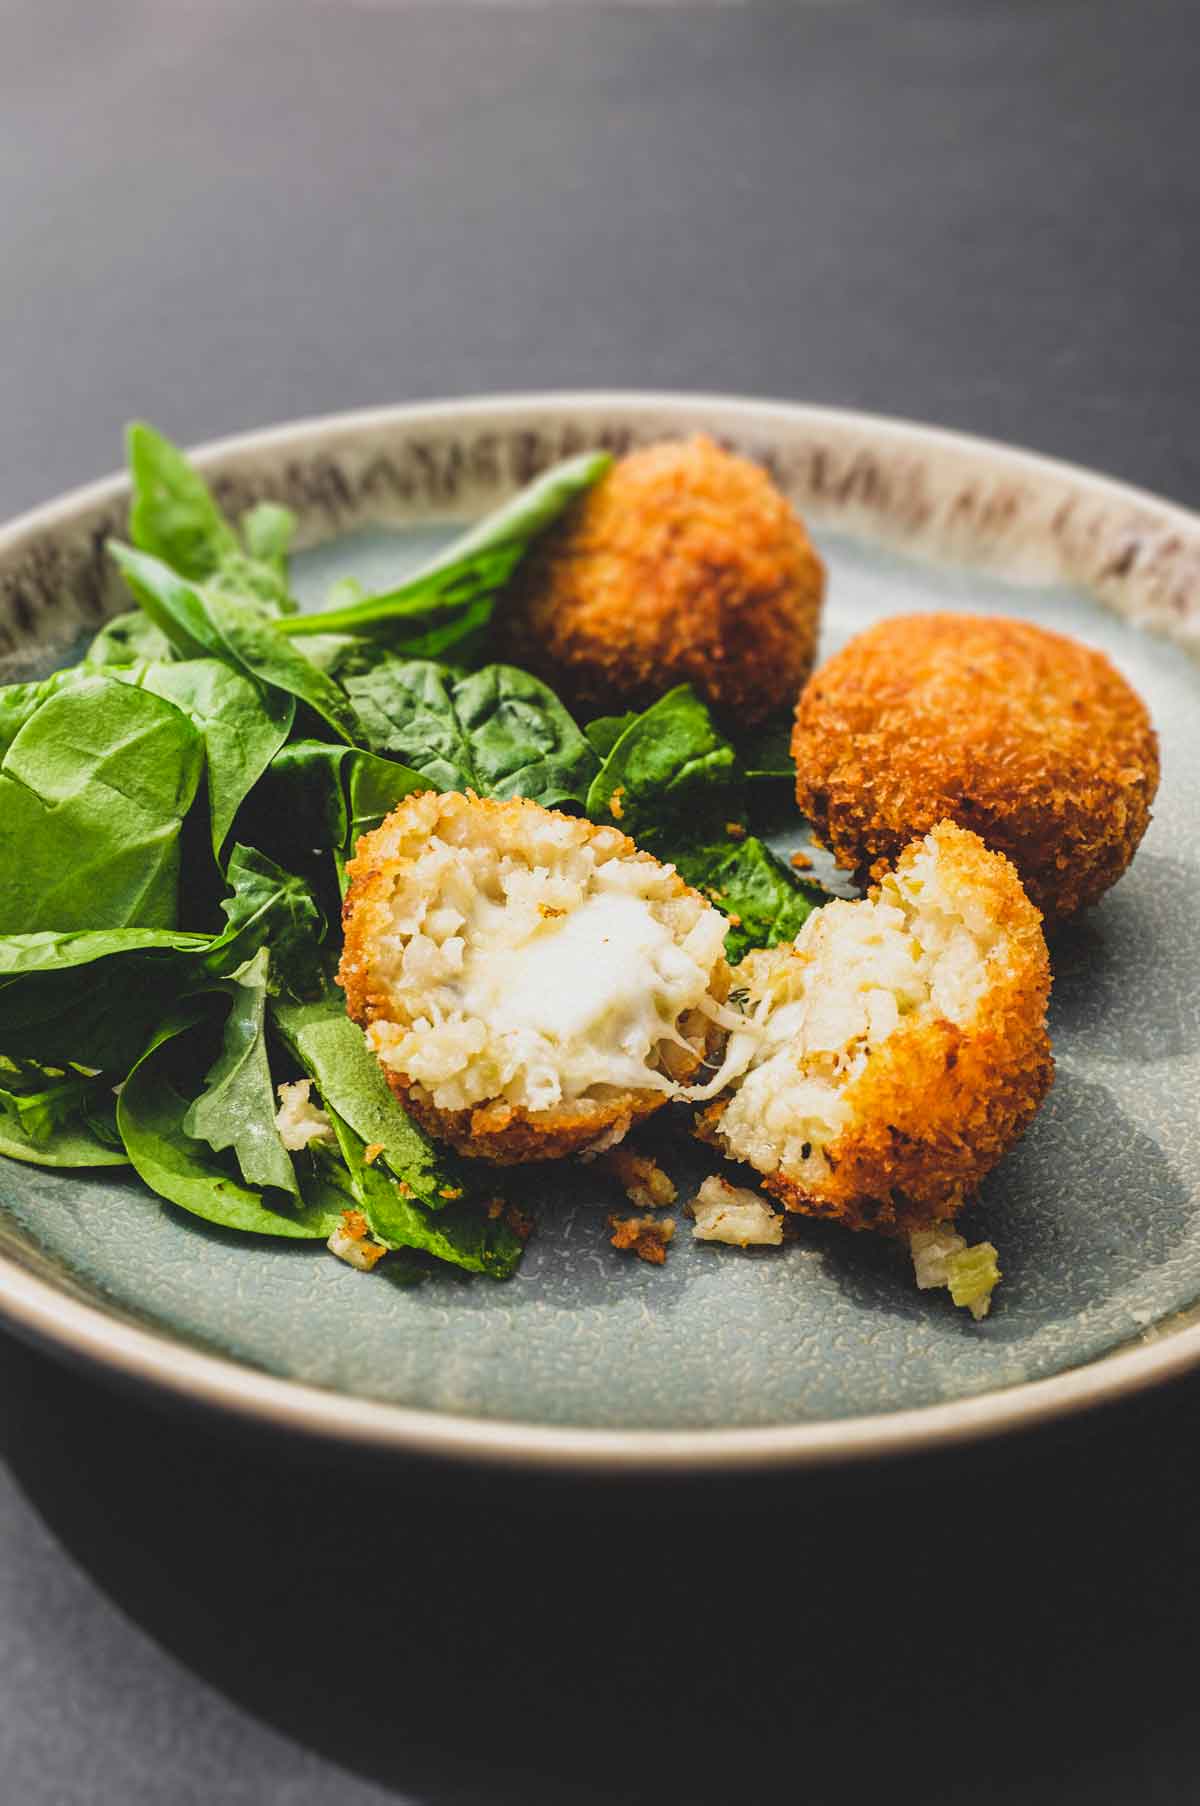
647,1237
644,1181
298,1121
732,1214
352,1242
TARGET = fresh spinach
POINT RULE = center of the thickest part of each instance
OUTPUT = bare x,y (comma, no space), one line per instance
673,782
333,1051
462,1234
766,754
268,905
497,731
71,1143
207,623
57,1117
94,788
315,800
128,639
604,732
453,595
236,1109
670,765
765,902
174,516
151,1113
243,724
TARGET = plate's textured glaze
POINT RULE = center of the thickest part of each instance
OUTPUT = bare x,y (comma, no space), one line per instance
1096,1214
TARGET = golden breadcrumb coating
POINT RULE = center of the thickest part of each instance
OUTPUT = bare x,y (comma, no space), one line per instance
938,1056
532,985
1027,737
684,564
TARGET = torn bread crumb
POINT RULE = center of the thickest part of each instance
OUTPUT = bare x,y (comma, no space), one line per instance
352,1242
299,1121
647,1237
729,1213
643,1180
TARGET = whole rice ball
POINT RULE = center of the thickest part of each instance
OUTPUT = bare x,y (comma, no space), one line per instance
1031,739
684,564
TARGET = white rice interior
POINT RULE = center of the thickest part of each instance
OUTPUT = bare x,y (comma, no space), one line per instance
816,1010
530,959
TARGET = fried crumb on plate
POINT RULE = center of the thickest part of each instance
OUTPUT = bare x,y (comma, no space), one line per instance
644,1181
647,1237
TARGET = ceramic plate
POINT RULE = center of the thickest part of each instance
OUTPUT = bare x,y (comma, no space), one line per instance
823,1350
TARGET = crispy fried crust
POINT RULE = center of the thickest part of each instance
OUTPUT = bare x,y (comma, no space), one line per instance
1031,739
499,1132
509,1135
938,1104
683,565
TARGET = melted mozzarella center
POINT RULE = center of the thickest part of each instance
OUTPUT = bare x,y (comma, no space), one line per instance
603,966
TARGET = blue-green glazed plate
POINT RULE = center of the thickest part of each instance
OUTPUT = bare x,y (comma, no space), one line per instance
822,1351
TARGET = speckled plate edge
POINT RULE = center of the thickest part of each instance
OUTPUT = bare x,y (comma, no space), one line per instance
918,488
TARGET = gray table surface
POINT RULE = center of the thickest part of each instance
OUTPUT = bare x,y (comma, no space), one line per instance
220,215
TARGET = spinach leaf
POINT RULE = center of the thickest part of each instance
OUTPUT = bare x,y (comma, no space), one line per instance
333,1051
174,517
315,800
19,703
269,905
268,530
94,788
207,623
498,731
604,732
766,754
60,1118
674,783
150,1115
462,581
406,707
48,951
236,1109
522,740
462,1234
71,1143
748,881
37,1103
669,765
243,724
90,997
126,640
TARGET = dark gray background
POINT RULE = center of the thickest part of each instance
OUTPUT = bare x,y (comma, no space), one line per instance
224,215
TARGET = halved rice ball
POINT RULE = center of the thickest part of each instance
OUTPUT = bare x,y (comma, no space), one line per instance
532,985
898,1048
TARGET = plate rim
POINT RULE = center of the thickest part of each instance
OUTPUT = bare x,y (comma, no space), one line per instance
73,1328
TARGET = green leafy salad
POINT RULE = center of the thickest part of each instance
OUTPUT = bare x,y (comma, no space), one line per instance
176,814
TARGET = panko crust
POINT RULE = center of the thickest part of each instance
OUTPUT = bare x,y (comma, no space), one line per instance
684,564
508,1135
503,1134
939,1103
1031,739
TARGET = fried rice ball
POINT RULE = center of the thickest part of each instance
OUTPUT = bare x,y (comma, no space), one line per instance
684,564
897,1048
531,985
1031,739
